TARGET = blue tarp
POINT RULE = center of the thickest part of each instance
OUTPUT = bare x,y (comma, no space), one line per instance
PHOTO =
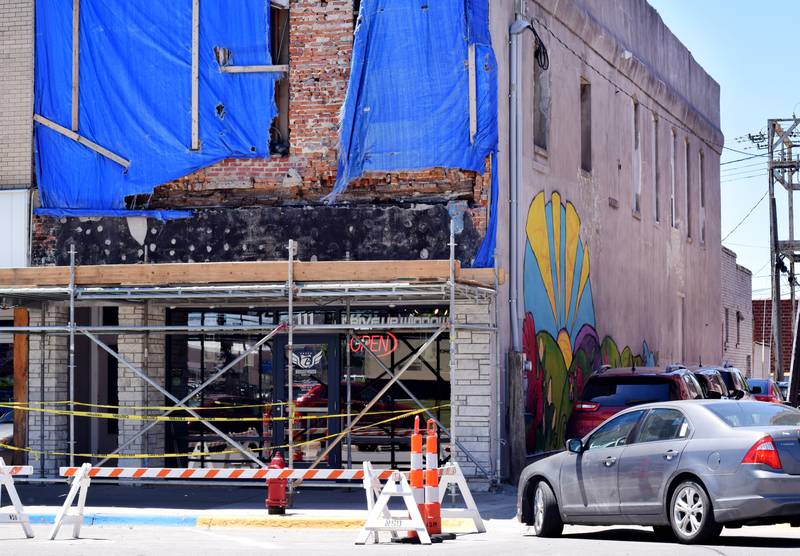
407,104
135,97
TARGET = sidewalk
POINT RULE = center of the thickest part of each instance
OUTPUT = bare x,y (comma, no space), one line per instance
229,506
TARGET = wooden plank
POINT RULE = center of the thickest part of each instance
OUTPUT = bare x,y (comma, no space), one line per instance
195,75
82,140
255,69
76,40
21,318
241,273
473,94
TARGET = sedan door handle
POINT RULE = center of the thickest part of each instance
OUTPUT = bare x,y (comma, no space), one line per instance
609,461
669,455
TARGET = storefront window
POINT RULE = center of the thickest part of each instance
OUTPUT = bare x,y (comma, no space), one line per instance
326,365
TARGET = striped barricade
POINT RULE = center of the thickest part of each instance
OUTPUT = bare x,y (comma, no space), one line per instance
7,474
221,473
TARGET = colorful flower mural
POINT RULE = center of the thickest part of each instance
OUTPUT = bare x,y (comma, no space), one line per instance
559,331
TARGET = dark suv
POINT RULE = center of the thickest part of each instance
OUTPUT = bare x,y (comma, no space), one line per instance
714,386
609,391
738,389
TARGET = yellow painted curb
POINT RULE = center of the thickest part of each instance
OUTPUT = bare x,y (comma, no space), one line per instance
304,522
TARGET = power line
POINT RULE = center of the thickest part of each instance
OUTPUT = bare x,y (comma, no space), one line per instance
746,216
760,174
741,167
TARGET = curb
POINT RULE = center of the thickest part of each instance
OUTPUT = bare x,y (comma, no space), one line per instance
242,522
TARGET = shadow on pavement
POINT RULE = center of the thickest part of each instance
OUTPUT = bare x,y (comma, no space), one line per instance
636,535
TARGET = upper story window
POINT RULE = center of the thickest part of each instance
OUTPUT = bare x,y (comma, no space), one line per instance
701,182
688,177
586,125
673,158
541,106
279,49
637,160
656,173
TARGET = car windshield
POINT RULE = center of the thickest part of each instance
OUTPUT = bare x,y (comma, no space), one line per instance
755,414
626,391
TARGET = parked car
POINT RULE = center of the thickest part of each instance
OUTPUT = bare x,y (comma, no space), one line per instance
784,386
738,389
765,390
711,381
686,468
609,391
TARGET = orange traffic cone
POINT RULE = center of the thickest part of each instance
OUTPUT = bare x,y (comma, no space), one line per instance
433,509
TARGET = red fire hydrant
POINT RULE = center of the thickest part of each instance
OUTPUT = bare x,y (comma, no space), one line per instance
276,488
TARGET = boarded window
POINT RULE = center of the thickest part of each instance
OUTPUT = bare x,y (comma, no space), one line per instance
586,126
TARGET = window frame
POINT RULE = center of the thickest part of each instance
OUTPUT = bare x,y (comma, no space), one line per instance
640,428
631,433
585,113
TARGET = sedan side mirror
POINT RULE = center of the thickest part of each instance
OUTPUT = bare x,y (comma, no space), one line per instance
575,445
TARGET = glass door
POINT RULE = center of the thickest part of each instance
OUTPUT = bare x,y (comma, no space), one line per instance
316,385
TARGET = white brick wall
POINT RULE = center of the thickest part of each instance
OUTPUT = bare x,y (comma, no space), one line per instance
472,383
56,388
146,352
737,287
16,69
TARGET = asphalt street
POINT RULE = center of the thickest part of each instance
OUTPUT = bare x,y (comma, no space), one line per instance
504,536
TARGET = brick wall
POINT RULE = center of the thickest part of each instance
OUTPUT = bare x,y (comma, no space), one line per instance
737,288
16,67
762,327
145,352
53,362
472,388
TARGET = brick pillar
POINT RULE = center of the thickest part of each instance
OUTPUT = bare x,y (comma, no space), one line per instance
472,388
321,45
52,363
145,352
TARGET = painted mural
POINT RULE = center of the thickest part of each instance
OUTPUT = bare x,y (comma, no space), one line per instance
559,332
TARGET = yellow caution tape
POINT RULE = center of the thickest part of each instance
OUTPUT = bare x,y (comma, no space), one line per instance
168,418
217,407
208,454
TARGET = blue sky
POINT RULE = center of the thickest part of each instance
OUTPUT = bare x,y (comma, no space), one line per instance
747,48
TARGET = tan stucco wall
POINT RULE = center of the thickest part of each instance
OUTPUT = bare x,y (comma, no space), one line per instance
640,269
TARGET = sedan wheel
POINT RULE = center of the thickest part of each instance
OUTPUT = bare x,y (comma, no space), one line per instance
691,515
546,518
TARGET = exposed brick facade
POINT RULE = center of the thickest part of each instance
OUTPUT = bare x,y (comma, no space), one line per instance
762,328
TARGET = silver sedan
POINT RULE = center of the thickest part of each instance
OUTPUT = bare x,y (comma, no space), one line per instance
687,468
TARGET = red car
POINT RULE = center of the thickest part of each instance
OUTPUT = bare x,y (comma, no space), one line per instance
609,391
766,390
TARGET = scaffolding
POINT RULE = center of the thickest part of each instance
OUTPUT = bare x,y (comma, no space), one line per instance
293,295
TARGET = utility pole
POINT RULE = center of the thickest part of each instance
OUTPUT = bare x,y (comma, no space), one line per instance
783,135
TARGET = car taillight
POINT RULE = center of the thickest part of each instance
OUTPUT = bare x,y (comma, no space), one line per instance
587,406
764,452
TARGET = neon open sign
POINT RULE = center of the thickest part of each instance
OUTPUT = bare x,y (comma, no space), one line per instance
379,344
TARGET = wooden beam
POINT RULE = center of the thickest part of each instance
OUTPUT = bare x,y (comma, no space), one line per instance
76,46
195,75
82,140
255,69
242,273
21,318
473,94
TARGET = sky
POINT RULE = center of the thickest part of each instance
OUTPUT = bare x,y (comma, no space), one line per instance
751,49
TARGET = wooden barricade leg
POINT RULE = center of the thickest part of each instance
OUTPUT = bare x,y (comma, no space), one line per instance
451,474
79,486
372,488
380,519
19,515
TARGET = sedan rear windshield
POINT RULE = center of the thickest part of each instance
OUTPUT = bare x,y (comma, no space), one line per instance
756,414
626,391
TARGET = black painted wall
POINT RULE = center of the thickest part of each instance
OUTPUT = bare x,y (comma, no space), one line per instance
262,233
